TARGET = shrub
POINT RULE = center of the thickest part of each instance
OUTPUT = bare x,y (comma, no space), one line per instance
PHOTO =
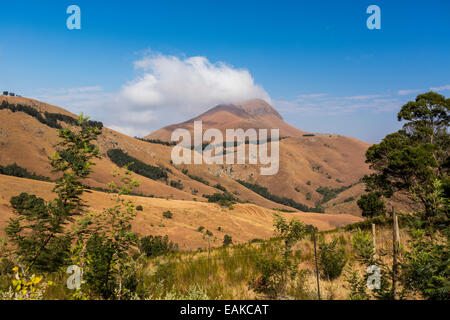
362,243
262,191
139,208
371,205
199,179
227,240
6,266
328,194
349,199
220,187
99,277
176,184
332,259
223,199
17,171
270,281
200,229
167,214
156,246
121,159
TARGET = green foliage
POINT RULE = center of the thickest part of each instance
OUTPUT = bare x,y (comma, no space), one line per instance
112,242
220,187
328,194
158,141
200,229
122,159
167,214
262,191
139,208
100,252
332,259
426,266
274,273
37,232
17,171
362,243
371,205
209,233
199,179
176,184
227,240
412,159
223,199
271,279
153,246
49,119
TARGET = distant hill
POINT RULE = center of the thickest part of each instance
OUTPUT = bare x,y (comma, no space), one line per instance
255,113
307,161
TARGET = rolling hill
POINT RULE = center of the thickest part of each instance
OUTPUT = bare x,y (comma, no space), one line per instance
308,162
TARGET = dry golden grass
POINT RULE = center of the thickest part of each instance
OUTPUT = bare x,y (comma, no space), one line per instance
244,222
322,160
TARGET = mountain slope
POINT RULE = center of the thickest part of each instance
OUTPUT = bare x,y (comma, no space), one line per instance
306,162
243,223
255,113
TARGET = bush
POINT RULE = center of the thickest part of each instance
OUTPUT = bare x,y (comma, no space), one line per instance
220,187
121,159
332,259
156,246
227,240
99,277
200,229
176,184
17,171
349,199
371,205
139,208
362,243
328,194
262,191
270,280
167,214
49,119
199,179
6,266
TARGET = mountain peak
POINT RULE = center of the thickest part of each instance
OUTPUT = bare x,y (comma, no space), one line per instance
254,113
258,108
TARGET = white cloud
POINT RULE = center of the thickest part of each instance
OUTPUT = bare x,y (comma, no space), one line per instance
166,90
441,88
328,105
408,91
190,85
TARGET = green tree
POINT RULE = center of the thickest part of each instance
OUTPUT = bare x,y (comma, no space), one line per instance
37,231
332,259
153,246
227,240
111,232
371,205
412,159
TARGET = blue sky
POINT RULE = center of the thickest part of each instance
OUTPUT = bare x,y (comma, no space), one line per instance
140,65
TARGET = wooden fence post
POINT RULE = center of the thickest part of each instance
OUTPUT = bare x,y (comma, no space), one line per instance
374,242
317,269
395,247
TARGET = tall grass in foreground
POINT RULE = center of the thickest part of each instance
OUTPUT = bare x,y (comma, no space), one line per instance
227,272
